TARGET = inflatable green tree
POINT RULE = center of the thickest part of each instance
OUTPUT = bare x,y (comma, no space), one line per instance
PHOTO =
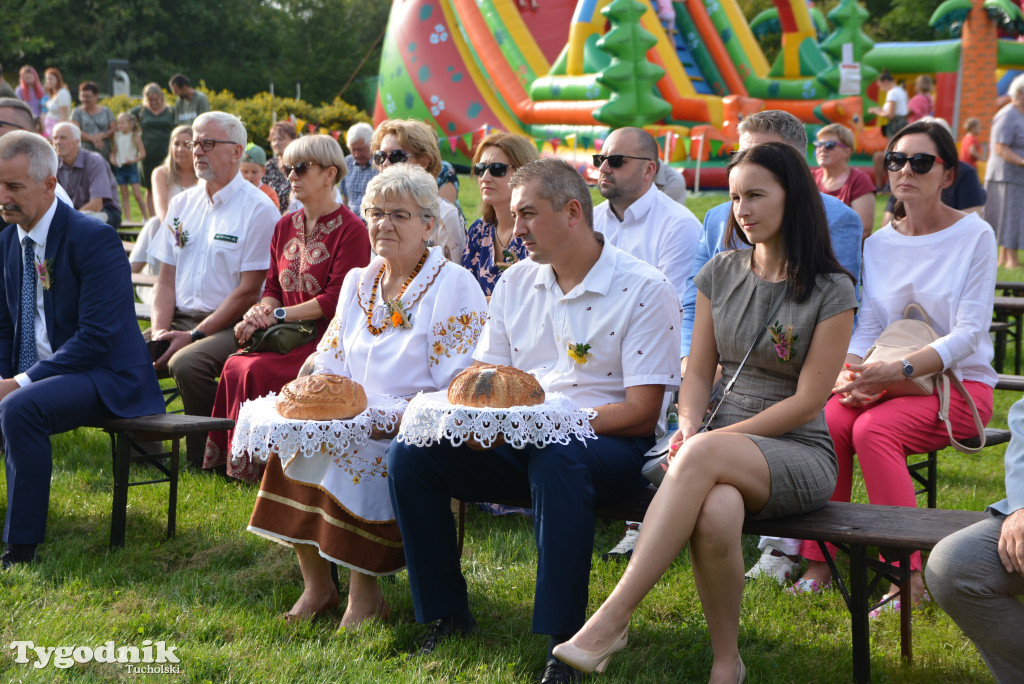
629,77
848,17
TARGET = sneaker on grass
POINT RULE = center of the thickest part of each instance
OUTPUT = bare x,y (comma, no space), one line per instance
774,564
624,549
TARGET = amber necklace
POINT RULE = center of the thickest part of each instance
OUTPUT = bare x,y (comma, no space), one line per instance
374,330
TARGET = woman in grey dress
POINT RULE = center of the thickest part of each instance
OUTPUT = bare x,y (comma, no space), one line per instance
1004,176
769,453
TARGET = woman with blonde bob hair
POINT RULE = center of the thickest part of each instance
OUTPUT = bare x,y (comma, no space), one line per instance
834,175
397,141
490,245
418,353
311,252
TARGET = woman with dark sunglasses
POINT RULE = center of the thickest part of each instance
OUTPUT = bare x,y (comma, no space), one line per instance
834,175
397,141
310,253
490,245
944,261
1004,176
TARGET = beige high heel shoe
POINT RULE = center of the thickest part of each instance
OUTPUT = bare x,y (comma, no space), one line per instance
589,661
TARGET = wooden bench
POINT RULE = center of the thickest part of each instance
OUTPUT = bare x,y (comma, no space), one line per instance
853,528
1008,311
144,279
143,312
127,438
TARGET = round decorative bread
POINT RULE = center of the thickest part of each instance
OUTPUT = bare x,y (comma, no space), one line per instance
491,386
321,396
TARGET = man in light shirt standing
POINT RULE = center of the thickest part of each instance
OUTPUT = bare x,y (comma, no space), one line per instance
214,246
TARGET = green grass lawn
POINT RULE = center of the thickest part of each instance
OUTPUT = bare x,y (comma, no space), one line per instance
216,592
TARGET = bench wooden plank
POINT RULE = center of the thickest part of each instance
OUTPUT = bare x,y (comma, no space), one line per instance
165,425
144,279
143,312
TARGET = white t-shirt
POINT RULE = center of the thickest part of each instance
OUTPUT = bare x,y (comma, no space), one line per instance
61,99
624,309
898,96
227,234
951,274
657,230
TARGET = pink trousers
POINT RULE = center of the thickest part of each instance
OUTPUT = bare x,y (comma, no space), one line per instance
882,435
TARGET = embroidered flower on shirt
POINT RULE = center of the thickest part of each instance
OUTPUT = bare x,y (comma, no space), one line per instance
44,269
180,234
784,340
579,352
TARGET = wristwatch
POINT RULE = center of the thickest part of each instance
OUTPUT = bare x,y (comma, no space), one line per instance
908,370
196,334
279,314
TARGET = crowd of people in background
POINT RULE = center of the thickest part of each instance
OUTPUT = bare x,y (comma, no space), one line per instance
784,287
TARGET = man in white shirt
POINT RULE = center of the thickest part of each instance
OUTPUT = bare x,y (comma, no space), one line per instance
638,218
214,246
588,321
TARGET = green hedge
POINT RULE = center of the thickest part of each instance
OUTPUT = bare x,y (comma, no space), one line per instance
257,112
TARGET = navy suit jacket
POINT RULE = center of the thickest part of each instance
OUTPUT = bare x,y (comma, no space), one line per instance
89,311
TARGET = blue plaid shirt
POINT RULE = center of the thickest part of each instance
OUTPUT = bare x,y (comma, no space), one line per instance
353,185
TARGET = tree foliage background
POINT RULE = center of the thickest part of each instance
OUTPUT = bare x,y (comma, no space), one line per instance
237,45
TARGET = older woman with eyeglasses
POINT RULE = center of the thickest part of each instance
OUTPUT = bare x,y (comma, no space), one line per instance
834,175
311,252
397,141
407,323
156,120
490,245
945,261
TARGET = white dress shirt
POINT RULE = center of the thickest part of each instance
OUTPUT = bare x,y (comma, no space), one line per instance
227,235
624,309
38,233
657,230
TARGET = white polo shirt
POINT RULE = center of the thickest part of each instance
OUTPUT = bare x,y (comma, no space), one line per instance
624,309
657,230
227,234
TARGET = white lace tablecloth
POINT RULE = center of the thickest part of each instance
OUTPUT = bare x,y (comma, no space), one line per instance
261,431
429,418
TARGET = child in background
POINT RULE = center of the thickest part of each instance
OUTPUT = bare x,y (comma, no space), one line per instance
125,156
254,163
970,146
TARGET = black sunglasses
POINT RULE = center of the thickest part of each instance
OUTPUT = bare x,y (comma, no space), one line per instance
11,123
828,145
207,144
394,156
497,169
615,160
920,163
300,168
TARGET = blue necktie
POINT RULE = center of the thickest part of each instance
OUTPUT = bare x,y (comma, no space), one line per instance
27,343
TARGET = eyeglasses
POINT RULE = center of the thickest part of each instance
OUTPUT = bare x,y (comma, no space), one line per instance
497,169
394,156
11,123
615,160
207,144
829,145
398,216
300,168
920,163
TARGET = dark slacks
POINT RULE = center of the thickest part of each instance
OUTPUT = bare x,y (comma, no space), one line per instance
564,482
28,416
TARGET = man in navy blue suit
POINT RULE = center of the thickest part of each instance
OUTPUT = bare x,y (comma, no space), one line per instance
70,348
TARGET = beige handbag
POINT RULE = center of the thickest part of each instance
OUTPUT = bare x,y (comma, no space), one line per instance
904,337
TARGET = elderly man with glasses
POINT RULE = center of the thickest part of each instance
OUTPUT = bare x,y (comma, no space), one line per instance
214,246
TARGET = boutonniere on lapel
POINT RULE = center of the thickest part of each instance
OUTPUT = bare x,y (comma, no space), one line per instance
397,314
580,352
44,269
180,234
784,340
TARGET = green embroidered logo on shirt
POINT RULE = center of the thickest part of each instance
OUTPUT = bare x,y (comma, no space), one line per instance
225,237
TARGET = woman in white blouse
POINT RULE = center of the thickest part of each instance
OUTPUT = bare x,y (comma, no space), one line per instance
406,323
945,261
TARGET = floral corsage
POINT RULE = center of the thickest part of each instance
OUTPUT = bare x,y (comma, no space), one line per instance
784,341
397,314
579,352
44,269
180,234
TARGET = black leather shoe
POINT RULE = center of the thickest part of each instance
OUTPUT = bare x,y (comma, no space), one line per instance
445,628
557,672
17,554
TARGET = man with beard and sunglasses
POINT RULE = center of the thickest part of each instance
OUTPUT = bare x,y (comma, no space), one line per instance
214,246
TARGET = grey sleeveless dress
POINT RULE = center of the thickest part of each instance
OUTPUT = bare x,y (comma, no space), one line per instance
803,461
